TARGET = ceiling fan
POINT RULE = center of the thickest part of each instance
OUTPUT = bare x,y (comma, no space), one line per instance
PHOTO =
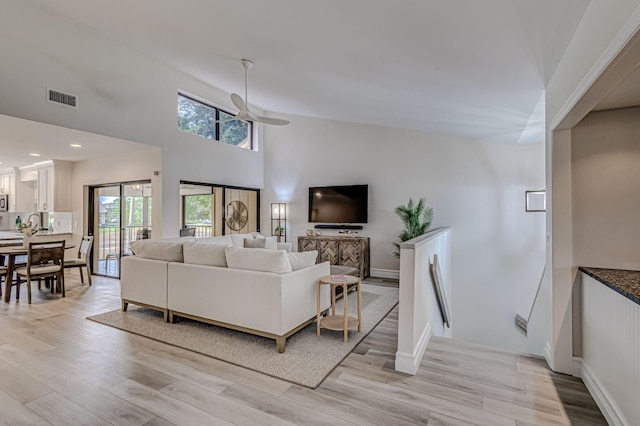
244,114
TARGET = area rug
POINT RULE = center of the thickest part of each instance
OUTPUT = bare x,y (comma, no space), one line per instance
308,358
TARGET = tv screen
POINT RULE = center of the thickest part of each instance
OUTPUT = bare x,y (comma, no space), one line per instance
339,204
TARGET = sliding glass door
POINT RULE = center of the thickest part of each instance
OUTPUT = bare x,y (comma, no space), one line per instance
121,213
210,210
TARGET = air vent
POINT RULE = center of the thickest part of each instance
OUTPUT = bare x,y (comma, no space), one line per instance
62,98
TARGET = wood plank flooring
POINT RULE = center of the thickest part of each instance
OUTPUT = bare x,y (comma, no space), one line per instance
57,368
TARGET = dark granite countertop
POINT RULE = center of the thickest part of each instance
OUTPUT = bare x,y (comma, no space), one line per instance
627,283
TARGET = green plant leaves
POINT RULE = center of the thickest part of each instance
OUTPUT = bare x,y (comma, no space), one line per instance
416,219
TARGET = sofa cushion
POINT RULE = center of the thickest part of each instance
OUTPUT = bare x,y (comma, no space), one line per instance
222,239
160,250
258,260
205,254
270,243
302,259
238,239
257,243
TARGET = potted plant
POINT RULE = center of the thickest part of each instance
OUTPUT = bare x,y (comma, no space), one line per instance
278,231
416,218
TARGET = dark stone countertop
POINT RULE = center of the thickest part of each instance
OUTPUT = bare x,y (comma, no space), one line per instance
627,283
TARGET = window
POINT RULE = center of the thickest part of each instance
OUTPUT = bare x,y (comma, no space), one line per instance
201,119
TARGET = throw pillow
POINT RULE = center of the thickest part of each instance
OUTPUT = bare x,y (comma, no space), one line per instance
259,243
159,250
238,239
303,259
258,260
205,254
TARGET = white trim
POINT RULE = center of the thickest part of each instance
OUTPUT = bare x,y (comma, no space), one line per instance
547,354
408,363
576,366
385,273
601,396
615,46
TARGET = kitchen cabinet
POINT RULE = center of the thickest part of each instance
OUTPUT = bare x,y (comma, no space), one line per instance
53,191
21,193
5,183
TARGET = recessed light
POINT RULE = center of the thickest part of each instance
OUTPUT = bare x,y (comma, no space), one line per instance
75,145
33,154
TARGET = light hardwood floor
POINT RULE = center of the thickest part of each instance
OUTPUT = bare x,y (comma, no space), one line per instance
58,368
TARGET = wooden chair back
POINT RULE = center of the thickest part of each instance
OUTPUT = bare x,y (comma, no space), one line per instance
46,252
85,247
188,231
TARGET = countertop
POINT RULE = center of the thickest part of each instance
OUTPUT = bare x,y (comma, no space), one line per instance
627,283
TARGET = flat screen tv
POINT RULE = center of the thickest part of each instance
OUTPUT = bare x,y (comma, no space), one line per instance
339,204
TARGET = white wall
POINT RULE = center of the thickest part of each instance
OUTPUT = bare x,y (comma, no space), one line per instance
121,93
131,167
476,188
602,33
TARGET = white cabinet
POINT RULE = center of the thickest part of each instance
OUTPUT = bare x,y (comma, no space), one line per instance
21,193
5,183
54,187
45,189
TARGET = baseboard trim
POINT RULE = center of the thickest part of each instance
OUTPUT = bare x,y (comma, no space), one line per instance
408,363
576,366
603,398
385,273
547,354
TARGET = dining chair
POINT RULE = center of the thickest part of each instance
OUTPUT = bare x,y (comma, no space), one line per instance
3,277
83,258
45,259
188,231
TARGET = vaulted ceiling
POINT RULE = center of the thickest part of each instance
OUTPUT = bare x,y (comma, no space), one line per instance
468,68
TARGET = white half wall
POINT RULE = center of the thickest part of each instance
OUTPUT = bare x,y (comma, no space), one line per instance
476,188
611,350
419,310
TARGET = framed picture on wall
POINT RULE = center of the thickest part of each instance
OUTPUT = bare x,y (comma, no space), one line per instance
438,285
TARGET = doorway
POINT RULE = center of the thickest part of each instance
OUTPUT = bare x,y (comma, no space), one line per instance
120,214
210,210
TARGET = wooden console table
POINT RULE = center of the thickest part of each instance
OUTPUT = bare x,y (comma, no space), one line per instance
339,250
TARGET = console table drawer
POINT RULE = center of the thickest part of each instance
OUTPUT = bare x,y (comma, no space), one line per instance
346,251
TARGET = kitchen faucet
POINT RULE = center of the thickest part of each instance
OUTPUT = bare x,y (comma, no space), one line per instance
37,216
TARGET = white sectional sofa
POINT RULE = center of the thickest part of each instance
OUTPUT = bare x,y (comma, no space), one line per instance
271,293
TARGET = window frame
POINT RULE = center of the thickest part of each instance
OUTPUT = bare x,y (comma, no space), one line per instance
218,110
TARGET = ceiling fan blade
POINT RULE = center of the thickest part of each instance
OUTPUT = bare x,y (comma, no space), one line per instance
224,120
238,102
269,120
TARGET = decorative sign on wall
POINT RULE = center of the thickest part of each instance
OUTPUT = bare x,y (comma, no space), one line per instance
237,215
535,201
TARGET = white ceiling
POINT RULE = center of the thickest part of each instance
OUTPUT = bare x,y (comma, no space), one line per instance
468,68
19,138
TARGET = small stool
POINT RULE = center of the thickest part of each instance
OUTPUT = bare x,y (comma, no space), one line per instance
333,321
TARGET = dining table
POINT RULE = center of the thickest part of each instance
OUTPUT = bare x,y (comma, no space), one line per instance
11,252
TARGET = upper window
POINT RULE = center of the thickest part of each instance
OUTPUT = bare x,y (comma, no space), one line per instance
203,120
